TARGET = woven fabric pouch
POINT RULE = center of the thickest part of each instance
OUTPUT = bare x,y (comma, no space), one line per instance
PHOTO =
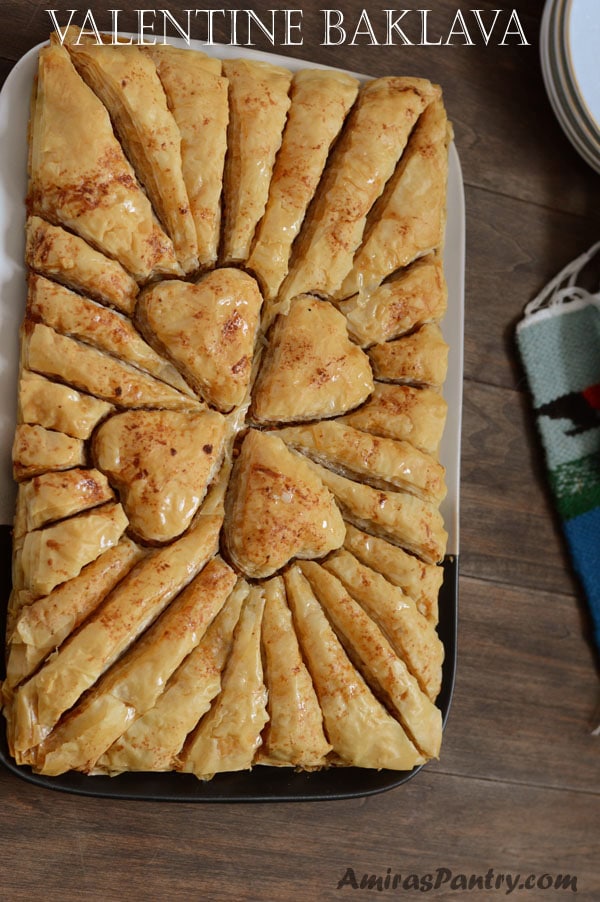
559,343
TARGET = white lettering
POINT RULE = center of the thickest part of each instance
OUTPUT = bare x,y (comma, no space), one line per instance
169,17
335,27
425,42
459,27
392,26
289,25
91,29
486,34
514,20
144,26
61,34
365,28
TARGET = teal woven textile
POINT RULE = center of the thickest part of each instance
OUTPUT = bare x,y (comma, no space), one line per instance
559,343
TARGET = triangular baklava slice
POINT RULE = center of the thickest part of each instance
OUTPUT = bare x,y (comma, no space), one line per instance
229,735
320,100
197,96
126,82
362,162
294,733
410,216
359,728
153,741
80,178
258,105
371,652
57,254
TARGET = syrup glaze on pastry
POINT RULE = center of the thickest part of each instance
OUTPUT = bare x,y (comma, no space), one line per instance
227,534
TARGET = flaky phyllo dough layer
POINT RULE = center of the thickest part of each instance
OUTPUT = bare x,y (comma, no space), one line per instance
227,539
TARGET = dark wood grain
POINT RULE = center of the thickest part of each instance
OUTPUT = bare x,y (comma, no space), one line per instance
517,787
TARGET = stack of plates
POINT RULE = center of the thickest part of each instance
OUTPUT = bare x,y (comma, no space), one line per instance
570,50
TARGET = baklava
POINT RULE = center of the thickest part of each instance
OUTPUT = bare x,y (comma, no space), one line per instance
227,543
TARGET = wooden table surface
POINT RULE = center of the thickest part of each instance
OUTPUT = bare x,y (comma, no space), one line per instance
517,789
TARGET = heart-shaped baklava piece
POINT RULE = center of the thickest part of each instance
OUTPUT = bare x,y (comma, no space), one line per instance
207,329
161,462
277,509
311,369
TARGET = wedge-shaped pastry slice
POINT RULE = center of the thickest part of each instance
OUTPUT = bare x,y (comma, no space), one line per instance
161,462
58,407
133,685
126,82
412,635
43,625
361,731
320,100
36,450
381,462
57,553
258,104
207,329
153,741
54,496
362,162
46,352
415,296
408,521
60,255
311,368
197,97
420,581
70,314
294,733
229,735
80,177
409,218
127,611
277,509
420,358
415,415
370,651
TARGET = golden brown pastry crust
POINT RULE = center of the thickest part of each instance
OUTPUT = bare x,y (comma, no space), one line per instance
363,161
86,185
230,734
300,378
208,329
153,741
373,655
294,733
381,462
60,255
320,100
127,83
161,462
410,216
414,296
411,634
132,645
360,729
58,407
197,97
134,684
78,317
420,358
258,105
403,412
277,509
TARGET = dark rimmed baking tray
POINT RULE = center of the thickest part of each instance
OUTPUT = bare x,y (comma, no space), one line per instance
262,784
